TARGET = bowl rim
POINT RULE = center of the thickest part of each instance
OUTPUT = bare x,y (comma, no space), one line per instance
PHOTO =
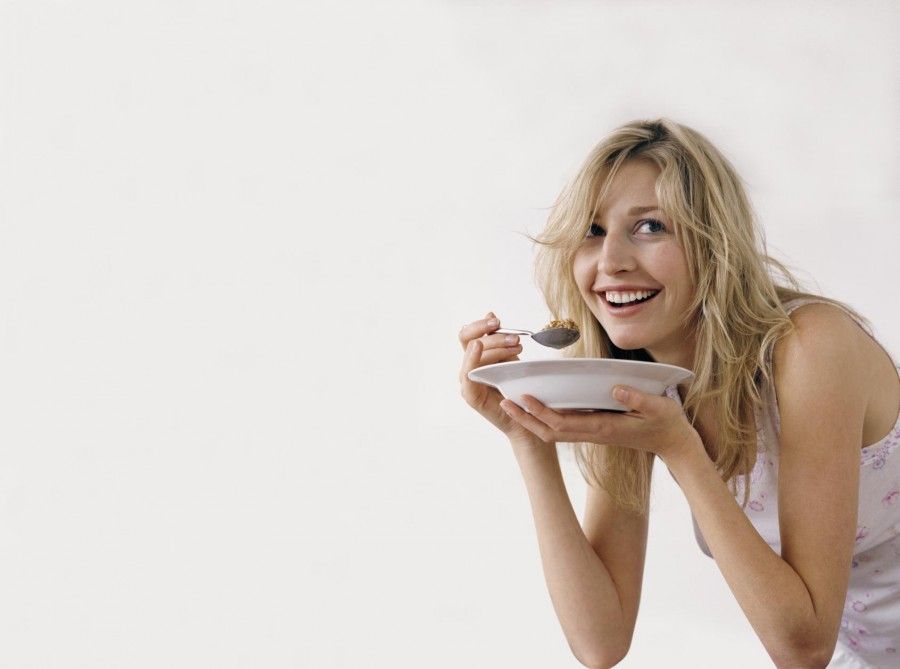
639,363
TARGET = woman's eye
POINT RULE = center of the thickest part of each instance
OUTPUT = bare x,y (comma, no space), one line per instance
595,230
651,225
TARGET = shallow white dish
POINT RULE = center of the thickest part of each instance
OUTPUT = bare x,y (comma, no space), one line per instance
578,383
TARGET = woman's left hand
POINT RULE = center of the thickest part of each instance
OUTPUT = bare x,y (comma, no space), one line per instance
653,424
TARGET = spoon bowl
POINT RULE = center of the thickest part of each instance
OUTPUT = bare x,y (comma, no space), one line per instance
557,337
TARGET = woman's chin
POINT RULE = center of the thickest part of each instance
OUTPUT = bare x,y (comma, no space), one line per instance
626,344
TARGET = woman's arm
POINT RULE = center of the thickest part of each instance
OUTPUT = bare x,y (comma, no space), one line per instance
794,601
594,581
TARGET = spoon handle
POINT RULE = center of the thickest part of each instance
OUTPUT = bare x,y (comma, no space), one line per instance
511,331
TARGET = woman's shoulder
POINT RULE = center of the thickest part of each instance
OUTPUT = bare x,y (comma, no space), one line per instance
829,329
827,353
821,328
825,346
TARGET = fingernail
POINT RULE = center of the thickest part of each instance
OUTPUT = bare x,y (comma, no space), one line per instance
493,322
512,339
620,393
490,314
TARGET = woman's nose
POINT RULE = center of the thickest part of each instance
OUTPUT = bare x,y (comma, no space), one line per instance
616,255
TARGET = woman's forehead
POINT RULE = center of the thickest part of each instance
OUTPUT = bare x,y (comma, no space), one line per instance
634,185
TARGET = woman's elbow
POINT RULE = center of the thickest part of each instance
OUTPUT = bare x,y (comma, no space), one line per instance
804,657
602,658
602,664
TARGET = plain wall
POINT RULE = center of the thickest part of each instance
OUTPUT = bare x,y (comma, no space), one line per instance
237,243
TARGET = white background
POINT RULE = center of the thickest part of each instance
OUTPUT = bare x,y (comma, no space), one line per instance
237,242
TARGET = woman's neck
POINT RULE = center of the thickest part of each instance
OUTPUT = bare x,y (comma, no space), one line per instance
682,356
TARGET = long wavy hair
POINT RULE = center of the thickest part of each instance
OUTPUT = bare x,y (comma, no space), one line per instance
737,313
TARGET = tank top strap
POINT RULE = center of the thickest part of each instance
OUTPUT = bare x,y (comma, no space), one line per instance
791,305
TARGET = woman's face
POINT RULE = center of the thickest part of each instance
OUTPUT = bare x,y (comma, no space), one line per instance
631,271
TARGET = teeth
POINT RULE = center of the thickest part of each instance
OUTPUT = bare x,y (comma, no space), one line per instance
624,297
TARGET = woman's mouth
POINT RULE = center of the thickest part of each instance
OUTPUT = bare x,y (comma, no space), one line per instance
625,303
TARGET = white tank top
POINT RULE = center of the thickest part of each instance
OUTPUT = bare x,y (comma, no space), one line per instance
870,626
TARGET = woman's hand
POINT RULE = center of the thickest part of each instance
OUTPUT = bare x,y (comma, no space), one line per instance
654,424
483,348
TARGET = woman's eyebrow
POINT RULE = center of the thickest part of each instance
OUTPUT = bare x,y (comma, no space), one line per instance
634,211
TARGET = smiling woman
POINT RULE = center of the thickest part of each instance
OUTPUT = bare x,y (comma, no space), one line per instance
653,251
719,309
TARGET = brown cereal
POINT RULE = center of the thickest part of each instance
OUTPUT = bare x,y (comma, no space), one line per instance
569,324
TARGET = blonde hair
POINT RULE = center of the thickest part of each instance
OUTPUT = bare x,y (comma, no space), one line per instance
736,314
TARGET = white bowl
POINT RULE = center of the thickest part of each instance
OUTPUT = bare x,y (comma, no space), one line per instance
578,383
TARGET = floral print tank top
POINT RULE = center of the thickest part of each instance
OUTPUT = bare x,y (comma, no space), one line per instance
870,626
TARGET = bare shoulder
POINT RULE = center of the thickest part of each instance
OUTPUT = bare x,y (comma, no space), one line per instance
825,344
831,361
826,322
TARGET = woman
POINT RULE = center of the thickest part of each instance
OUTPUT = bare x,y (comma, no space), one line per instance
783,444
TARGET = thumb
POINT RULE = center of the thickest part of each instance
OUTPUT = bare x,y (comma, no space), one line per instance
637,400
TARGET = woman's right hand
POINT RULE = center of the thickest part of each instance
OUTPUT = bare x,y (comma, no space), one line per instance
483,348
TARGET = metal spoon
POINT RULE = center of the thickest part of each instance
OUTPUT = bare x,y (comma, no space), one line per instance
552,337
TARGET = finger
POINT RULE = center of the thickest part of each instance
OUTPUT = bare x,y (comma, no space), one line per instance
558,422
470,361
544,413
575,425
478,328
476,356
538,427
504,354
639,401
526,420
499,341
484,357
